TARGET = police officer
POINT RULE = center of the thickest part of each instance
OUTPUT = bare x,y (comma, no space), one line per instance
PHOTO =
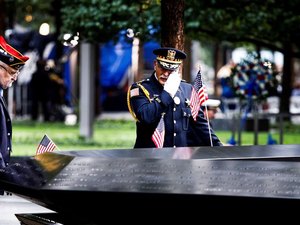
11,62
164,96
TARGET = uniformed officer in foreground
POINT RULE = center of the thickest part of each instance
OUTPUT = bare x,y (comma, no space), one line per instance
11,61
164,95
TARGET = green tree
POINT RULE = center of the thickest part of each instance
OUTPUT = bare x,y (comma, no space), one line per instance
30,14
102,20
271,24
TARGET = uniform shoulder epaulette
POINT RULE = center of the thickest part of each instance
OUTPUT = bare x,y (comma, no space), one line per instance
142,81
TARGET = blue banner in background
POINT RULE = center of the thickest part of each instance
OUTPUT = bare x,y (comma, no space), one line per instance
67,79
115,65
149,57
115,61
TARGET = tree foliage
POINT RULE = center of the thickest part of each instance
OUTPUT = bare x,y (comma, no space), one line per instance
269,23
273,24
30,13
102,20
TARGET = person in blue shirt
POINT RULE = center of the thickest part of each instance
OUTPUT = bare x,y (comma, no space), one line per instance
164,96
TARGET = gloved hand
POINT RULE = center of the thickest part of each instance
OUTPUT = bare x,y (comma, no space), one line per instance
172,84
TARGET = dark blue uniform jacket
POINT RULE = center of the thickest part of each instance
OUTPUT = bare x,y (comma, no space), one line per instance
179,123
5,134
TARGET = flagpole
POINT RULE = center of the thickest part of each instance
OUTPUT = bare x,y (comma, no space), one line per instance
198,98
207,118
208,124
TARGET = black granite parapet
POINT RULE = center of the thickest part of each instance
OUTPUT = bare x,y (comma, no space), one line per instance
86,187
257,152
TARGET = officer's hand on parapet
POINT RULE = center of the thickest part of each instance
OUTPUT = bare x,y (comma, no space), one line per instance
172,84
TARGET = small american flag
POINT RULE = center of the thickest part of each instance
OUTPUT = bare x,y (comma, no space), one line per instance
159,134
46,145
199,95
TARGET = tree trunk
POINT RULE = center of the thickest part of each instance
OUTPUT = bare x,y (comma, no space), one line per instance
172,30
172,24
186,74
58,24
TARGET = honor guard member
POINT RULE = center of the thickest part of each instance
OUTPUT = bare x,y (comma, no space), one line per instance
11,61
165,96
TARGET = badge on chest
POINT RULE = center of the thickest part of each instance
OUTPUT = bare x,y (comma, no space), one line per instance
176,100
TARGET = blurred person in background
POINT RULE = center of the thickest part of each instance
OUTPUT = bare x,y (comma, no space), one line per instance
212,107
40,92
47,91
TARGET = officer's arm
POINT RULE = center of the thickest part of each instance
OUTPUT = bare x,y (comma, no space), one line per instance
146,109
201,130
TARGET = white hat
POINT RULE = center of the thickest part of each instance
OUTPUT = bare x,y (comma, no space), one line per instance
212,103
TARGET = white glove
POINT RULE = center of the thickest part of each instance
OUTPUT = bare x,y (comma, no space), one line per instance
172,84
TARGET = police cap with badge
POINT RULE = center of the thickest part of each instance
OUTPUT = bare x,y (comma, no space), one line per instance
169,58
211,104
10,56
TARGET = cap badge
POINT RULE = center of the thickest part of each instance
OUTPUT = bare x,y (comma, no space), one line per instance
171,55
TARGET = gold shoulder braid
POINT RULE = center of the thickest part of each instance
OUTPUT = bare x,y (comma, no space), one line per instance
145,91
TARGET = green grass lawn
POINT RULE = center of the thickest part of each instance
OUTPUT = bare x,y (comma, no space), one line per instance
110,134
107,135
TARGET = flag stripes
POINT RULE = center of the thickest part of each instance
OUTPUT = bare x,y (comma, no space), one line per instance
199,95
195,104
159,134
46,145
202,94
